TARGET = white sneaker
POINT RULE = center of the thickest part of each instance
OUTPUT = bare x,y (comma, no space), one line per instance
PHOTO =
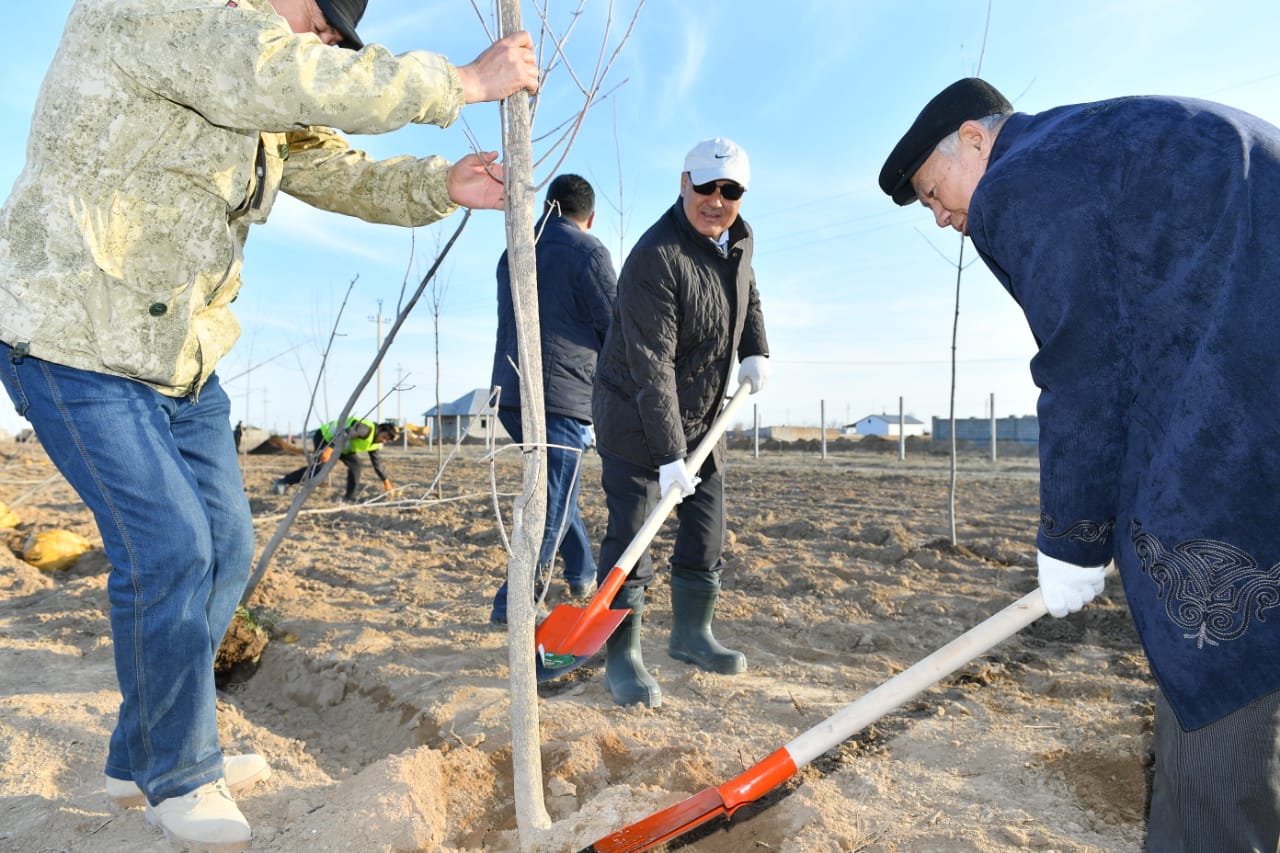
239,771
206,820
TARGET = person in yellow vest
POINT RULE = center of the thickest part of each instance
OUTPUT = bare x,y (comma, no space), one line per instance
360,436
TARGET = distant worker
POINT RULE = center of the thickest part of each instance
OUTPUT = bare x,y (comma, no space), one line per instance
687,308
576,289
360,436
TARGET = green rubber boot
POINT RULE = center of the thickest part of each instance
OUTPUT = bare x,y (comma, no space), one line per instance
693,607
624,673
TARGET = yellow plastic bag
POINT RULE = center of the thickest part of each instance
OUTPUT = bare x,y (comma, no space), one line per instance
52,550
8,518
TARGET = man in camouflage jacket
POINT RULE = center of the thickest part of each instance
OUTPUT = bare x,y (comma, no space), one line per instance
163,130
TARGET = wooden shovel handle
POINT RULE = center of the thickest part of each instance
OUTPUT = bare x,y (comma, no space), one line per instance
658,515
917,678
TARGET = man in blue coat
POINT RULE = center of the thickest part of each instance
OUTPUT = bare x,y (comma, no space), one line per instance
1140,237
576,289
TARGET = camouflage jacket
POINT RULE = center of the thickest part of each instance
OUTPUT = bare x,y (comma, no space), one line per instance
163,130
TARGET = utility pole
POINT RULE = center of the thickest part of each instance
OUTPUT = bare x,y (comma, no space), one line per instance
902,430
993,426
404,433
377,349
822,427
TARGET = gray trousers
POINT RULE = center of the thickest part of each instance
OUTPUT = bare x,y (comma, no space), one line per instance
1217,789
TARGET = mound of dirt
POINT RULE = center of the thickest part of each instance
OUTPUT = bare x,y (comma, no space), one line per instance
275,445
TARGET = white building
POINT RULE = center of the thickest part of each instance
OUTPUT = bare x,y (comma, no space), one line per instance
471,416
885,425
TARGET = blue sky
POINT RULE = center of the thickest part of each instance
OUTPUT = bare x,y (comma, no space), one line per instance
858,294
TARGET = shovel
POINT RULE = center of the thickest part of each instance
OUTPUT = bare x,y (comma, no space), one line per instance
783,763
570,635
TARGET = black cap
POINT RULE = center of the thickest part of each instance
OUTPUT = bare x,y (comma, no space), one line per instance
343,15
964,100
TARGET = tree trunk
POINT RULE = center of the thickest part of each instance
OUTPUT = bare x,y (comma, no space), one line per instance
530,508
955,339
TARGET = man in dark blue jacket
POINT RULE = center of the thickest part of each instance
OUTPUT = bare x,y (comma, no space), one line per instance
576,289
1140,238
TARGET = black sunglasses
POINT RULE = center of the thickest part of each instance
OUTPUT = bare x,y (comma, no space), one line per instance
728,191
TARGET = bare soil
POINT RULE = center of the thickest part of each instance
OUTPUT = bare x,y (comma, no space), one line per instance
381,698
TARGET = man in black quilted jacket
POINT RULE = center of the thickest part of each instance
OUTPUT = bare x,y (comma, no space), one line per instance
687,308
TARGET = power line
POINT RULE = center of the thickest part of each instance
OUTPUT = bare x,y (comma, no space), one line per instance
895,362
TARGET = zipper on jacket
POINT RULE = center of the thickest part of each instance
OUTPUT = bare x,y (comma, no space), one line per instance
260,172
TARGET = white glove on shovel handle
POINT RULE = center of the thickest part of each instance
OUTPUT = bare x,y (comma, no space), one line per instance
1066,587
676,474
754,369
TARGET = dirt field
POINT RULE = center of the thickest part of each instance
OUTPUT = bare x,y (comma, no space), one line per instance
381,699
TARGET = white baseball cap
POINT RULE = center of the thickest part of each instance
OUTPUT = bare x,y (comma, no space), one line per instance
718,159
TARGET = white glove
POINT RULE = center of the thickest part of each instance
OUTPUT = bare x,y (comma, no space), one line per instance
675,474
754,369
1067,588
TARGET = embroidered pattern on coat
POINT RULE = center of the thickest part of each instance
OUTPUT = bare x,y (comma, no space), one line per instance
1211,590
1081,531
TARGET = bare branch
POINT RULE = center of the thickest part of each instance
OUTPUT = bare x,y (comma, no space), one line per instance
567,139
986,30
621,208
227,380
309,484
324,359
408,269
544,31
559,42
943,255
480,15
591,92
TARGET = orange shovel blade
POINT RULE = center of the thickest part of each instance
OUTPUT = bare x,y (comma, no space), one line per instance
568,630
664,825
746,787
571,632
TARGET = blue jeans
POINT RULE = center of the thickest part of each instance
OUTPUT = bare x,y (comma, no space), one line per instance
563,512
162,479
